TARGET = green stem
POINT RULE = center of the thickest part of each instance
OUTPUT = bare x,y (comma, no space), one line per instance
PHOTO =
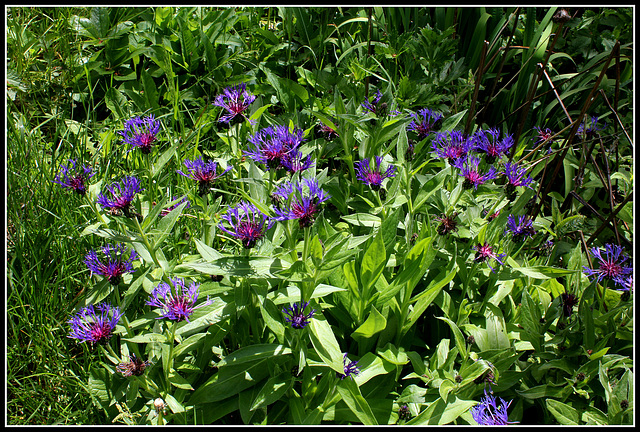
151,250
383,211
171,341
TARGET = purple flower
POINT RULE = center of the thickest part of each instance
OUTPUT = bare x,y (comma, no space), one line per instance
177,304
521,228
295,162
544,134
489,413
141,132
117,261
515,177
94,323
122,195
168,210
205,173
274,144
611,265
350,368
247,223
590,130
485,252
373,176
296,316
328,133
451,145
489,142
235,100
303,202
469,167
568,301
134,366
374,107
424,122
74,179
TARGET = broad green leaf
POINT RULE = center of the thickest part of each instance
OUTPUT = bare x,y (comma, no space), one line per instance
459,338
179,381
325,343
208,253
373,262
453,410
253,353
273,389
147,338
251,267
362,219
166,225
351,395
565,414
374,324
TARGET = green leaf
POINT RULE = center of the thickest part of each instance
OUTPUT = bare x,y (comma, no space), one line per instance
373,262
252,267
459,338
530,320
374,324
565,414
453,410
325,343
351,395
166,225
273,389
362,219
179,381
253,353
208,253
147,338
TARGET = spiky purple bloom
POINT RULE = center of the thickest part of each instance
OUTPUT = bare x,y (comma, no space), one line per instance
373,176
589,129
296,316
235,100
328,133
452,145
74,179
274,144
94,323
626,281
296,162
177,303
169,209
470,170
205,173
544,134
489,142
611,264
520,228
485,252
424,122
247,223
350,368
303,200
491,412
141,132
374,107
115,262
121,195
515,177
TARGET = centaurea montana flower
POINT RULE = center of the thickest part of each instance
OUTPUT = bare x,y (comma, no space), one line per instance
611,264
373,176
451,145
122,195
117,261
74,179
375,107
94,323
515,177
296,316
485,252
141,132
327,131
177,304
489,142
133,367
304,200
235,100
274,144
205,173
350,368
169,209
470,170
544,134
593,127
491,412
520,228
247,223
295,162
424,122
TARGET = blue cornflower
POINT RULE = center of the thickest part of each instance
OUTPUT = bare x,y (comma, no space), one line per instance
470,170
74,179
424,122
489,142
489,413
122,195
177,304
302,206
544,134
94,323
521,228
374,107
273,144
593,127
451,145
205,173
485,252
235,100
611,264
296,316
626,281
117,261
350,368
247,223
515,177
296,162
168,210
141,132
373,176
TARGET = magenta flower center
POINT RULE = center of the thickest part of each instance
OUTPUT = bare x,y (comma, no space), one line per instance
180,307
100,331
